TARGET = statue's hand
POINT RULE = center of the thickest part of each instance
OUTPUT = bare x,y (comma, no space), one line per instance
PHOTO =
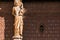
23,10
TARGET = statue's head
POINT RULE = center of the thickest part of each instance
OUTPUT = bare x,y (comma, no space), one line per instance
17,2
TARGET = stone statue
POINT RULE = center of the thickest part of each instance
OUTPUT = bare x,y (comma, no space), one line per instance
18,12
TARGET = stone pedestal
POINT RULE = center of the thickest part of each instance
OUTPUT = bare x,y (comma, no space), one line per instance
17,38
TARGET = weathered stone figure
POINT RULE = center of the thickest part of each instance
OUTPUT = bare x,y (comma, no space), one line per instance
18,12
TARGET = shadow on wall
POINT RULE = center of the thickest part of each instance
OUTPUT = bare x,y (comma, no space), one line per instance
5,11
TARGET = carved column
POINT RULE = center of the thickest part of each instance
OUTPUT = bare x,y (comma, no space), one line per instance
18,12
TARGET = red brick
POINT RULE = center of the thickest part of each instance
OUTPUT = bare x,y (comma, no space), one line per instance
47,13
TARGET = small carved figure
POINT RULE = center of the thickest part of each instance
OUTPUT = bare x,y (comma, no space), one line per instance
18,12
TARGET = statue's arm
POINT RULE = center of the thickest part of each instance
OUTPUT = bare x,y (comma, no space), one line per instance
23,9
13,11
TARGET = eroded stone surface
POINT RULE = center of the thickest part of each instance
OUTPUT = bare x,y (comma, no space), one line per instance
2,27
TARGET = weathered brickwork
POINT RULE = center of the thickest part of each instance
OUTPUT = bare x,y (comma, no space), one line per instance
46,13
2,27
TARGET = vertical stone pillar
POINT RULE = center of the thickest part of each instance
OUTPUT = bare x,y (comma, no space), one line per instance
18,12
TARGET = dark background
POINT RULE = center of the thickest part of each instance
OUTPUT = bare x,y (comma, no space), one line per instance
30,0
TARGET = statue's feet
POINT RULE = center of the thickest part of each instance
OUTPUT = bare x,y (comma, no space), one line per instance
21,36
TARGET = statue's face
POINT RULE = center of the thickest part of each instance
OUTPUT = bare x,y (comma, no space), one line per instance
17,3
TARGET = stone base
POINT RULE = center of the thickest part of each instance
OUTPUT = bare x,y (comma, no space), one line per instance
17,38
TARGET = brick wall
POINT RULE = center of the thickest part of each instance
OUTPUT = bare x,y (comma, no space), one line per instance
46,13
6,13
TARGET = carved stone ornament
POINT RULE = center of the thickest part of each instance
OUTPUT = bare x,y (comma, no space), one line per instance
18,12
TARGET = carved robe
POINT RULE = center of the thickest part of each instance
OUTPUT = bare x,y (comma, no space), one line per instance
18,13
